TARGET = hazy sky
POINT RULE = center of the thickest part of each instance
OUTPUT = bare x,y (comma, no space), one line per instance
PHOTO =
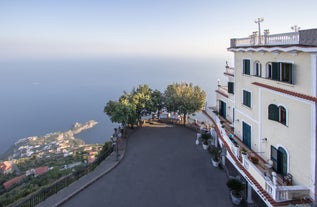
99,28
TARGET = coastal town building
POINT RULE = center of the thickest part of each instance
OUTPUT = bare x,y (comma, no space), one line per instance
6,167
268,108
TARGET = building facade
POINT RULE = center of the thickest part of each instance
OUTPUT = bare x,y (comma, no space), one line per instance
270,101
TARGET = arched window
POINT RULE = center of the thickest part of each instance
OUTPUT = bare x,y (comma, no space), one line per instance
277,113
280,159
269,70
257,69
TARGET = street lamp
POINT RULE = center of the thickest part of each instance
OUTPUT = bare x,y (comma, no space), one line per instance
114,139
258,21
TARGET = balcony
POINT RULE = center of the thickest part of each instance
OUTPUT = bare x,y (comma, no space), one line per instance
229,71
223,90
302,37
272,188
291,38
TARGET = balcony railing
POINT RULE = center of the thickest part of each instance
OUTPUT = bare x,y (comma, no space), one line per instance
290,38
223,89
268,182
229,71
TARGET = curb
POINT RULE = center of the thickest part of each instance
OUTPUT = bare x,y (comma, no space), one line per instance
94,179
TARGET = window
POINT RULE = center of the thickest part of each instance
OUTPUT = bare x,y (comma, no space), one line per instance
277,113
257,69
273,112
282,112
231,87
269,70
246,67
286,69
279,158
282,72
246,98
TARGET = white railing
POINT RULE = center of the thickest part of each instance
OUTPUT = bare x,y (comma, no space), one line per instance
223,89
282,39
275,39
277,192
230,70
286,193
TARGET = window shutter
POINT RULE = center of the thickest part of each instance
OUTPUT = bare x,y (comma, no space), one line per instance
273,112
231,87
274,157
291,78
247,98
282,115
276,71
246,67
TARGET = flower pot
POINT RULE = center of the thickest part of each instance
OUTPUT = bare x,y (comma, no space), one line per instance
215,163
205,146
197,142
235,199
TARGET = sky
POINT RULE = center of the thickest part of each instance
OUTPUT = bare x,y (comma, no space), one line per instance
37,29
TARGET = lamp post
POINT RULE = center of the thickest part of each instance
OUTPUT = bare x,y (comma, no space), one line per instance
295,28
114,139
258,21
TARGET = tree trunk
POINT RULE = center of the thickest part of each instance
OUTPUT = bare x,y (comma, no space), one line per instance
184,118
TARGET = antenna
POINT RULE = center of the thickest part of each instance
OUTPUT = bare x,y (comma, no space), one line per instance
258,21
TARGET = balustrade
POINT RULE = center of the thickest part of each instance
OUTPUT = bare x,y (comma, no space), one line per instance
278,192
275,39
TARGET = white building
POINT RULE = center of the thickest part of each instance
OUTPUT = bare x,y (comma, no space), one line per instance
270,100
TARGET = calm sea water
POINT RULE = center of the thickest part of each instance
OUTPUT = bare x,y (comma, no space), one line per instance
38,97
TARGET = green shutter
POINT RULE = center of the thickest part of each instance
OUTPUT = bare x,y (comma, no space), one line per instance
276,71
291,74
246,67
281,161
247,98
273,112
274,157
231,87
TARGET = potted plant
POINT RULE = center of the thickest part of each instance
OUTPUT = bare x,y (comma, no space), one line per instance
236,186
205,137
254,159
215,155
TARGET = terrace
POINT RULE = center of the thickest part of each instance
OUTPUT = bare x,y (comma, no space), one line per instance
302,37
274,189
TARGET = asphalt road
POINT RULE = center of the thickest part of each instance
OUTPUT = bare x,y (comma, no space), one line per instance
162,167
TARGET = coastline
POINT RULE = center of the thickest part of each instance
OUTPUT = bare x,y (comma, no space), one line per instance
28,146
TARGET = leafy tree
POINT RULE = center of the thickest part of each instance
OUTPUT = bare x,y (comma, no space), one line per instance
184,98
141,99
121,111
157,99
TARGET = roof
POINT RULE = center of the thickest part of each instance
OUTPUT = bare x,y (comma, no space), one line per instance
291,93
15,180
41,170
5,166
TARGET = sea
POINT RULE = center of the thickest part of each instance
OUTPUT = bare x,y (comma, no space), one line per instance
42,96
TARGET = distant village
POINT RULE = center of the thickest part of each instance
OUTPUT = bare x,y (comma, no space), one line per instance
52,146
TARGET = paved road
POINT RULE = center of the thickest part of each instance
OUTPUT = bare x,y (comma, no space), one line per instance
162,167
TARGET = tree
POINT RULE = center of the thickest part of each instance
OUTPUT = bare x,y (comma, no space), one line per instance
184,98
157,99
140,98
121,112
